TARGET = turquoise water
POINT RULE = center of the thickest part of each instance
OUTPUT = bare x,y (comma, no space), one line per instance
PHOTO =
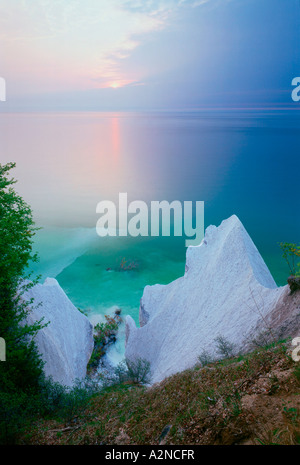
245,163
90,273
88,269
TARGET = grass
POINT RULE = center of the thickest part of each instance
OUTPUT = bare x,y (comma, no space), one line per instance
250,399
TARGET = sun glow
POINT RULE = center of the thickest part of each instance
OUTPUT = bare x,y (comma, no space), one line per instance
117,82
72,45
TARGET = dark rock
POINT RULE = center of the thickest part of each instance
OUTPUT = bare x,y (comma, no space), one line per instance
164,434
294,283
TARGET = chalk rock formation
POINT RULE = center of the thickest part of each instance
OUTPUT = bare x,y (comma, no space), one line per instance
226,290
67,342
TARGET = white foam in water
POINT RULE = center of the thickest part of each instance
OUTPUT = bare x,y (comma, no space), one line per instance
81,262
116,352
58,248
96,318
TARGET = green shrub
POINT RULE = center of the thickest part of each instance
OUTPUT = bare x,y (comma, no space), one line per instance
75,400
296,373
15,413
291,254
224,347
102,334
205,358
23,368
263,339
128,371
57,400
138,371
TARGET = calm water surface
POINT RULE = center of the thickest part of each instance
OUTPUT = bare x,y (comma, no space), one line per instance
243,163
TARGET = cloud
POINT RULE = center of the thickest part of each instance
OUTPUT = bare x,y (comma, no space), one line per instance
74,43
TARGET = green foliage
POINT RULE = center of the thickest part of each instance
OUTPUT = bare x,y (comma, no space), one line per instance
136,371
104,330
270,438
23,365
84,312
262,339
18,410
232,404
13,415
204,407
207,398
224,347
102,333
291,254
205,358
296,373
292,414
57,400
121,372
21,371
16,230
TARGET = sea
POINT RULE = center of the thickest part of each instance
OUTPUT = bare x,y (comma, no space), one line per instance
243,162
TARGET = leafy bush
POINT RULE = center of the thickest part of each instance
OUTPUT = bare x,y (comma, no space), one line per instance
296,373
25,393
120,374
205,358
57,400
23,368
262,339
224,347
14,415
128,371
75,400
291,254
138,371
102,334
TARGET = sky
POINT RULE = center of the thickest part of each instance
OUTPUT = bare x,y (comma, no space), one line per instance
148,54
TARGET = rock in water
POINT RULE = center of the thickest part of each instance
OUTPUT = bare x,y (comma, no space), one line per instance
67,342
226,290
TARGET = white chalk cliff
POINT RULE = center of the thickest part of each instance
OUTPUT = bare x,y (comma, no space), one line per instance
226,290
67,342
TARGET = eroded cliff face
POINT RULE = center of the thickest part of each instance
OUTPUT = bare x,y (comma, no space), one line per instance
226,290
66,343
